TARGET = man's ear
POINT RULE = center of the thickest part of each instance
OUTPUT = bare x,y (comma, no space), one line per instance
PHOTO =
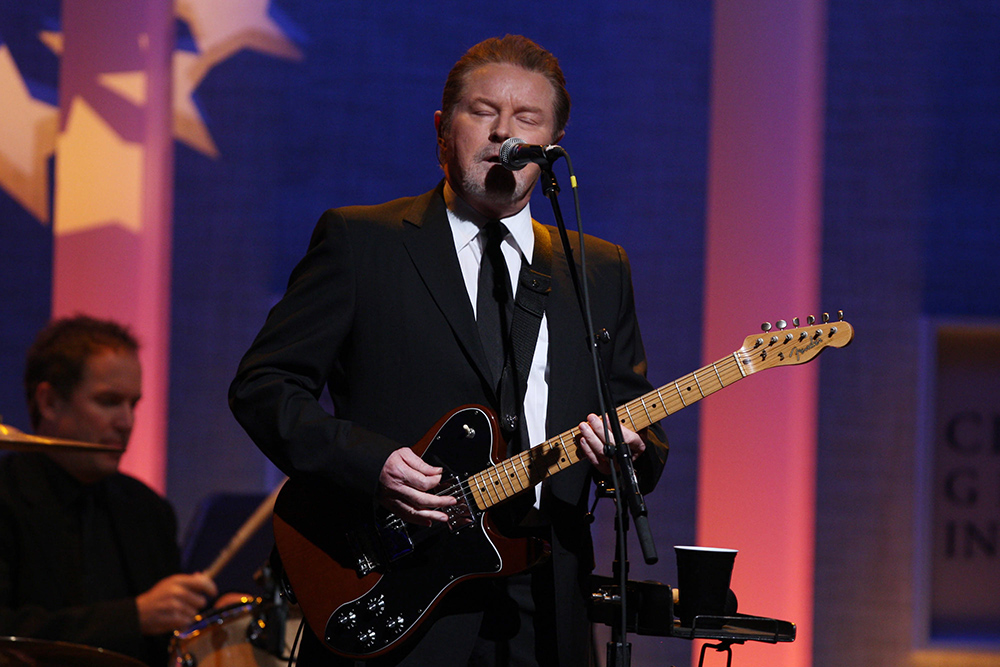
437,124
48,400
440,138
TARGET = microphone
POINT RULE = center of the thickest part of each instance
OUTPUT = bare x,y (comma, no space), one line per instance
516,155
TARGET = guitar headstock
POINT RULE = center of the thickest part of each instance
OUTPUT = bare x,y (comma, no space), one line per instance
787,347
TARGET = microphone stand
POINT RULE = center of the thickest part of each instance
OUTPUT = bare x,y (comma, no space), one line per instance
622,471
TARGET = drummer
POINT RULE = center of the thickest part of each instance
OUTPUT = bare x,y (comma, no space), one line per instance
89,555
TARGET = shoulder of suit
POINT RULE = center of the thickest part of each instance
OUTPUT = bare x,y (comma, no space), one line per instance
392,213
597,248
128,488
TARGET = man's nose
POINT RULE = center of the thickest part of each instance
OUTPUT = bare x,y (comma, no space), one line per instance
125,417
501,130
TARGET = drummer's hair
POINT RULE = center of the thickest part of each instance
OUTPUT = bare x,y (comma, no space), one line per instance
61,351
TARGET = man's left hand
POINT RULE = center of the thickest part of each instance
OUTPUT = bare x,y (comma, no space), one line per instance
592,443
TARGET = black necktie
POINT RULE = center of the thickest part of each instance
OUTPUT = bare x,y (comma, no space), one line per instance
493,298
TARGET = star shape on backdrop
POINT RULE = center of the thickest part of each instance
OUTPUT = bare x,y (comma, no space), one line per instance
28,140
220,28
99,197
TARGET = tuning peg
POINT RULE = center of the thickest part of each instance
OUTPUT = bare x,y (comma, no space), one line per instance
840,315
810,320
795,322
826,317
782,324
765,327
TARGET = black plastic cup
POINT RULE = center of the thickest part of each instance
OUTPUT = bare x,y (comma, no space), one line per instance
703,576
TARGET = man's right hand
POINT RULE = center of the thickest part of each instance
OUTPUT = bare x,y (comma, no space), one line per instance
172,603
404,488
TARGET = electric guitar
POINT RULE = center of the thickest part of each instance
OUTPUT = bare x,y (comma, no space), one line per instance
365,583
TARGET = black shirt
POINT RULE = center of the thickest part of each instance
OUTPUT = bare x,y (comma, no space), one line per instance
73,557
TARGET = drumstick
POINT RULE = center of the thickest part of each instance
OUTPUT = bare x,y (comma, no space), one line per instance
246,531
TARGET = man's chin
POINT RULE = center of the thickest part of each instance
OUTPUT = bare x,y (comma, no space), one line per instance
500,183
501,191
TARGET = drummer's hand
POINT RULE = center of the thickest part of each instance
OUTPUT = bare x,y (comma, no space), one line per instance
171,604
406,485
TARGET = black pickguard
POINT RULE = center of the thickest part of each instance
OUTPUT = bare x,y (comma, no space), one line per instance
411,583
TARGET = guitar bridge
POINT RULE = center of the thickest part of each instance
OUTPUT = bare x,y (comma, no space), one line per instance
363,549
460,514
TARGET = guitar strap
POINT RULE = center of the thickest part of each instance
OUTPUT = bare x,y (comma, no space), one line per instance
534,283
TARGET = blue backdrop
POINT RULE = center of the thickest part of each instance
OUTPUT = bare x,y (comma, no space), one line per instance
911,231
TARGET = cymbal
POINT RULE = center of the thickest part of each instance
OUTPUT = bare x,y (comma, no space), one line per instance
19,652
19,441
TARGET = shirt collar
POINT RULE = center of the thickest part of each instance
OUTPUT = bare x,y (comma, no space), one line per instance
466,223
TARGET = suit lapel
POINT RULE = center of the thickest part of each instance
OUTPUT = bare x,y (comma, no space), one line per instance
429,242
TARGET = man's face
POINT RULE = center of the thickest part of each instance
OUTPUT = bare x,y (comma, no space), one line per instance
499,101
100,410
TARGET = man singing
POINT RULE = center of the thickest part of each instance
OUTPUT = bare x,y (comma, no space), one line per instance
404,311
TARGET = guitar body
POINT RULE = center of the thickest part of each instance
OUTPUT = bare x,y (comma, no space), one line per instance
364,579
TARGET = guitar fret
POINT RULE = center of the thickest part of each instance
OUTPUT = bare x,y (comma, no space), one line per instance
572,450
628,415
700,390
483,490
715,367
649,418
677,387
739,366
478,491
663,403
563,451
523,475
490,488
554,445
514,476
504,477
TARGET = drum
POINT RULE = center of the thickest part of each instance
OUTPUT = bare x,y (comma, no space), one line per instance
19,652
235,636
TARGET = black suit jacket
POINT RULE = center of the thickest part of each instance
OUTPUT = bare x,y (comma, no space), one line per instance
377,311
39,592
